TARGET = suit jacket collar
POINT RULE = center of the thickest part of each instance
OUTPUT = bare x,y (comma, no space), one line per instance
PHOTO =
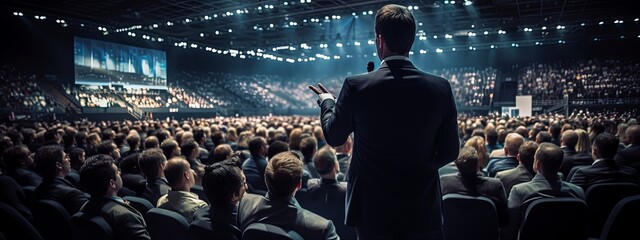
393,62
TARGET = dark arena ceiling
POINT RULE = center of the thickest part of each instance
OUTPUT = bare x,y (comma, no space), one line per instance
298,29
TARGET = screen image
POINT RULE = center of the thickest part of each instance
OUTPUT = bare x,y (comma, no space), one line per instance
106,64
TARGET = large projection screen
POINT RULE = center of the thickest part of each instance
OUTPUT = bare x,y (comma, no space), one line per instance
102,63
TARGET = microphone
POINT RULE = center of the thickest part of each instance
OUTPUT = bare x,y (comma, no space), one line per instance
369,66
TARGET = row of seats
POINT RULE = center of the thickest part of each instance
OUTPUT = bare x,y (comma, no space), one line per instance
52,221
609,212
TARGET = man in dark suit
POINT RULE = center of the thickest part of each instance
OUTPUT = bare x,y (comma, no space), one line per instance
54,164
524,171
283,176
630,156
18,162
380,206
572,158
548,159
511,147
253,167
100,178
325,196
604,169
152,163
469,181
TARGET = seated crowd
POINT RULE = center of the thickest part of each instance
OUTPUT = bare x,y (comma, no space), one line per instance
231,172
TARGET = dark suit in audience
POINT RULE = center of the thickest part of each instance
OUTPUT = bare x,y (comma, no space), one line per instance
604,168
470,182
571,156
152,163
100,178
54,165
524,171
253,167
279,207
548,159
511,148
18,162
630,156
224,184
11,193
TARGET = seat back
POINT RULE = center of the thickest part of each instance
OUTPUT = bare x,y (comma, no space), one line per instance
204,230
262,231
90,227
140,204
51,219
16,226
623,220
560,218
328,204
601,198
164,224
477,214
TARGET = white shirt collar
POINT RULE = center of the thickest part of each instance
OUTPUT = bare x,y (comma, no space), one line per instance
395,57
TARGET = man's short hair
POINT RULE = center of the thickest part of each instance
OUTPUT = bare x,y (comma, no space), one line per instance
397,26
255,145
151,142
221,181
308,147
174,170
325,160
467,161
46,159
569,138
283,174
188,146
527,154
149,162
220,153
276,147
550,157
607,145
96,173
105,147
168,146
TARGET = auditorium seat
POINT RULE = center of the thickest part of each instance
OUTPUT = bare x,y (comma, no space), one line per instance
140,204
204,230
15,226
51,219
623,220
601,199
477,214
94,228
263,231
563,218
164,224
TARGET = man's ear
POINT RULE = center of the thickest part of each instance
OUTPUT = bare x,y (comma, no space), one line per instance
299,186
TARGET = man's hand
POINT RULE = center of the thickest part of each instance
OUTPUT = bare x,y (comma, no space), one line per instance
322,93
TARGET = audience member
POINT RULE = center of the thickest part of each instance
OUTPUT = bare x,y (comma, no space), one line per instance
53,163
572,158
524,171
152,163
511,148
283,176
254,167
100,177
469,181
547,162
18,163
604,169
630,156
179,199
225,185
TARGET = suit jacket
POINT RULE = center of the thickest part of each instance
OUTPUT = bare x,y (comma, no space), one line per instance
155,189
524,191
500,165
604,171
325,197
630,156
253,169
11,193
127,223
573,158
25,177
513,176
370,105
285,213
224,221
62,191
485,186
